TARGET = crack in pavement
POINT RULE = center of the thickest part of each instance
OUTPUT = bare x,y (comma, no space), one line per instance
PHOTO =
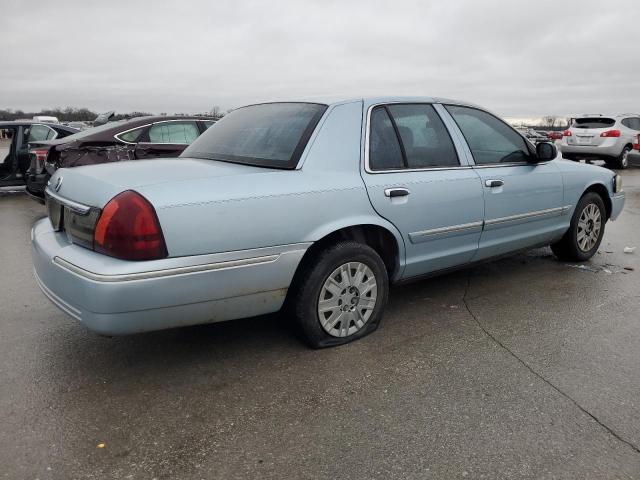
538,375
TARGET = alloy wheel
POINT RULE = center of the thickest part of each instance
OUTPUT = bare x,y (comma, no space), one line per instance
347,299
589,227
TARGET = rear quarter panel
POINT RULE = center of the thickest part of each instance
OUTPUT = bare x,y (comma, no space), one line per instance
273,207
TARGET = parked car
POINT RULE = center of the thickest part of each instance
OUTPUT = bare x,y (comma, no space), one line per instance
634,155
315,207
554,135
15,137
134,139
533,136
599,137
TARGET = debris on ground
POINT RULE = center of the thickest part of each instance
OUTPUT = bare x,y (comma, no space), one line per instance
607,268
629,249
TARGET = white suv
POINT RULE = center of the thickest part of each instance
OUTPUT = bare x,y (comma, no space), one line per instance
598,137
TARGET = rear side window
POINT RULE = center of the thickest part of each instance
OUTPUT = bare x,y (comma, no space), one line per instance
490,139
409,136
38,133
132,136
424,137
384,148
632,123
269,134
173,132
599,122
208,123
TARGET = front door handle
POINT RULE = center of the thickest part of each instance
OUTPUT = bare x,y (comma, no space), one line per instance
396,192
494,183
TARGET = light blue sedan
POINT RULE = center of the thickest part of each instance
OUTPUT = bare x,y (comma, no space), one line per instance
316,207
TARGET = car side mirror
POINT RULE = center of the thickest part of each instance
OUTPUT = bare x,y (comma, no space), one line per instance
546,151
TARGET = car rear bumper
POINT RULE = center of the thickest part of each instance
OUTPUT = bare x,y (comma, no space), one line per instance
115,297
590,151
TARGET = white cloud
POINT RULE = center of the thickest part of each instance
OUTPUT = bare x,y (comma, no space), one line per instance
518,58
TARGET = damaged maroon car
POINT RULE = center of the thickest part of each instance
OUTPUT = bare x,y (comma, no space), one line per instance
140,138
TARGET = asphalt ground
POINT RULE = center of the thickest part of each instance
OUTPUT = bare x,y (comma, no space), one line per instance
521,368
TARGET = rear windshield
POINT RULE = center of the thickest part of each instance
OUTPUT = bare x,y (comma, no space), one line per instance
593,122
267,135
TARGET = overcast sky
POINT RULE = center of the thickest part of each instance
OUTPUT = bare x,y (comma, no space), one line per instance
518,58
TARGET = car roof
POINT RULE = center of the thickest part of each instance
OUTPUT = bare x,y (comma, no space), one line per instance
370,100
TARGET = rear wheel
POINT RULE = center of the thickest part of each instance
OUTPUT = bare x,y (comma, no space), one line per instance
622,161
341,295
585,233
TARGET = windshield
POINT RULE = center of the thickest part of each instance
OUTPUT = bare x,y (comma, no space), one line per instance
267,135
593,122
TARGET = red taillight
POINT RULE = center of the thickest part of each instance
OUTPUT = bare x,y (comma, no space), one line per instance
610,133
41,155
128,229
636,146
566,133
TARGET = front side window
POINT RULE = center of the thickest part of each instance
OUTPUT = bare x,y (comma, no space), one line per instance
173,132
491,140
208,123
269,134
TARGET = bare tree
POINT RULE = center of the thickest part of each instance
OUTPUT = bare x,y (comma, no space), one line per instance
216,112
550,121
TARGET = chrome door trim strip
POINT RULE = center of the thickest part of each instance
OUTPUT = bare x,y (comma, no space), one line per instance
75,207
464,228
168,272
525,216
425,235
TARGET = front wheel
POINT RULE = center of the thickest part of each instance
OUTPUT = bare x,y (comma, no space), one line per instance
341,294
585,232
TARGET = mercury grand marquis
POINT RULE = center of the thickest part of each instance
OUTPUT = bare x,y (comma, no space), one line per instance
313,208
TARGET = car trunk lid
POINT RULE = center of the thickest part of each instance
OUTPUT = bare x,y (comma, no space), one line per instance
587,131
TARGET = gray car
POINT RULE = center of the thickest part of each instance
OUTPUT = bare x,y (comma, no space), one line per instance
315,207
601,137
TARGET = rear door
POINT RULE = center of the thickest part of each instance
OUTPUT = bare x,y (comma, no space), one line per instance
523,200
167,139
417,177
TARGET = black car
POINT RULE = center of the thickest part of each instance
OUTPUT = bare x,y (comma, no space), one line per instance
134,139
15,137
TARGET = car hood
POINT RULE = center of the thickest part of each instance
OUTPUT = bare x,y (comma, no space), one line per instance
95,185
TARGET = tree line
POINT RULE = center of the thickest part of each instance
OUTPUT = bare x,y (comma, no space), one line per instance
74,114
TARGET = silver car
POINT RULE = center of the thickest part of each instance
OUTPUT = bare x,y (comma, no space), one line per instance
600,137
314,207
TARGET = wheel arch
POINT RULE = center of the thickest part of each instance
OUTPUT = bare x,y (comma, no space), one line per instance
383,238
601,190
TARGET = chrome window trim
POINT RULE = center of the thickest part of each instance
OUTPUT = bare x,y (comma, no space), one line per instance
167,272
367,134
75,207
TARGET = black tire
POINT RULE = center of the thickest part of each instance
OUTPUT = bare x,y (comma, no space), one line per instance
622,161
309,283
568,248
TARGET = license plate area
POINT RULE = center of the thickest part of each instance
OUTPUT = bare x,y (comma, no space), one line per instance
56,214
584,140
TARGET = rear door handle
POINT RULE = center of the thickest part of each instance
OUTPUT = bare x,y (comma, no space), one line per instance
494,183
396,192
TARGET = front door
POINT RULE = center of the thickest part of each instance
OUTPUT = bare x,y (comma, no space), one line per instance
416,180
523,200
